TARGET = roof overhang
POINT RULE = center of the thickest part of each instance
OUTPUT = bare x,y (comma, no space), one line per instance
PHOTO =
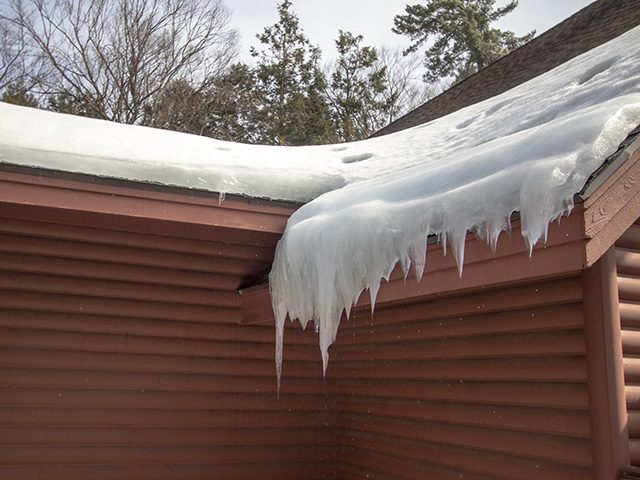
609,204
605,209
237,228
66,194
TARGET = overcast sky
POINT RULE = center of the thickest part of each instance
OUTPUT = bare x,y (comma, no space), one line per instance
321,19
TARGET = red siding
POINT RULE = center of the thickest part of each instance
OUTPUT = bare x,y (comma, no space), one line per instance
628,264
123,356
126,351
469,386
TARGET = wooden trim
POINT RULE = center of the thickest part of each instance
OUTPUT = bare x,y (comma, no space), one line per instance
255,305
168,214
26,190
133,188
609,430
613,207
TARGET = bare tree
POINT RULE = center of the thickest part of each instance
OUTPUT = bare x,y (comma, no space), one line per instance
406,89
13,54
9,55
109,58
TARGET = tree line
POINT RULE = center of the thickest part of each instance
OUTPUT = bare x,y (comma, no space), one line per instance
172,64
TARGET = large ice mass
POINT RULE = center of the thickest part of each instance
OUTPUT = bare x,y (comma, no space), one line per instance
528,150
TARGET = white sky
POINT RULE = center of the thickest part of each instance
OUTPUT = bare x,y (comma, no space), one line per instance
321,19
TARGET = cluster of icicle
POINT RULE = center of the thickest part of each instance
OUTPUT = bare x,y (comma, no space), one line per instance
529,150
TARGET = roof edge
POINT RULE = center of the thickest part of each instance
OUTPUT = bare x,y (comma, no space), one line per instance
141,185
611,199
629,147
120,207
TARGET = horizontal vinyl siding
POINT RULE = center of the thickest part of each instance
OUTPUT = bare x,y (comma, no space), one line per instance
628,267
475,386
122,356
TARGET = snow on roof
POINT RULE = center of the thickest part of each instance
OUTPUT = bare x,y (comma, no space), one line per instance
527,150
596,23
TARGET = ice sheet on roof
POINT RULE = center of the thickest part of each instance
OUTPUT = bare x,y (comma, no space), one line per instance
528,150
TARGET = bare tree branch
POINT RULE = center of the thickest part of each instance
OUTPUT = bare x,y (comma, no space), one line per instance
406,89
114,56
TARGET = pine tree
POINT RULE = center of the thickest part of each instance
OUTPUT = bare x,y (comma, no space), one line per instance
18,94
460,35
358,83
289,82
232,112
226,110
178,107
74,104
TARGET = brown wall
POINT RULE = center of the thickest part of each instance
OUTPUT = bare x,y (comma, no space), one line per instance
495,375
126,351
122,356
628,266
489,384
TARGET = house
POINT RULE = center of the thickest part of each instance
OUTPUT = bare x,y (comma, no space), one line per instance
137,331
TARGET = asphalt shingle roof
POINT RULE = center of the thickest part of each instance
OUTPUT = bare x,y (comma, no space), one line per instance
594,25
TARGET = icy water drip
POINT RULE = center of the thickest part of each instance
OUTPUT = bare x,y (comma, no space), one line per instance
528,150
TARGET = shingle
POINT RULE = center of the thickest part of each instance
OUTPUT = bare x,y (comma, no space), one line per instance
594,25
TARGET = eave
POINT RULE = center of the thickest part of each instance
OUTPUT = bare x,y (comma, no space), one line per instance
607,207
242,231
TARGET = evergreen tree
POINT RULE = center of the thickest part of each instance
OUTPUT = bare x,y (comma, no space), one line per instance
227,110
233,107
73,104
289,82
179,107
460,35
18,94
318,126
358,83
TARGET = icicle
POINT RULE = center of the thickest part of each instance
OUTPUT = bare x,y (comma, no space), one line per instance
446,183
386,275
457,247
279,347
347,309
495,227
419,255
373,294
405,264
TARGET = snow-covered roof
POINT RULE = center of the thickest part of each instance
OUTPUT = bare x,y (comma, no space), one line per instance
373,203
528,150
596,23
